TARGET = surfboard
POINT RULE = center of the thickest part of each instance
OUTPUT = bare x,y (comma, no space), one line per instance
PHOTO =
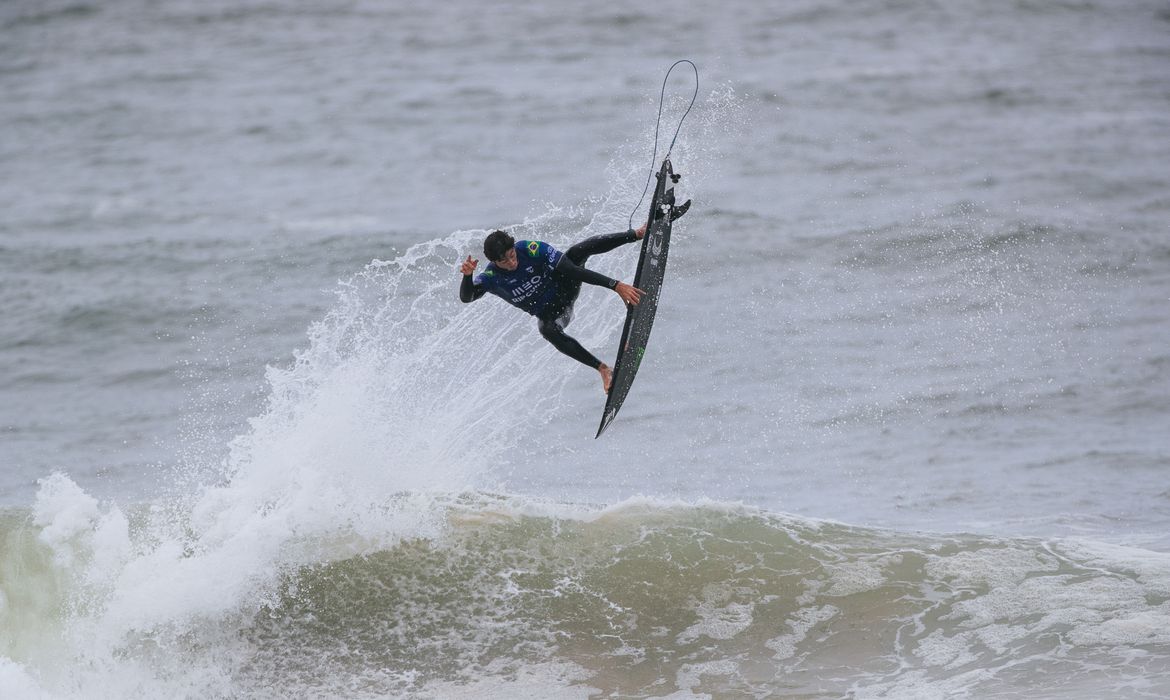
640,318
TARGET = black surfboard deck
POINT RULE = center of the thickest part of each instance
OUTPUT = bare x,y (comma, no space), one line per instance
640,318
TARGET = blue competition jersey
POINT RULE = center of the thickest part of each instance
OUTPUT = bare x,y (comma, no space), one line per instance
531,286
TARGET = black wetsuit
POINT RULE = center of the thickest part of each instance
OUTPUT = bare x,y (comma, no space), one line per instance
546,284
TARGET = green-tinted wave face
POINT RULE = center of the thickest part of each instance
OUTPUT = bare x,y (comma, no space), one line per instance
32,595
504,597
647,600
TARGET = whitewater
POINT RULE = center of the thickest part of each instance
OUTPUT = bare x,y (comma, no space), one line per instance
900,431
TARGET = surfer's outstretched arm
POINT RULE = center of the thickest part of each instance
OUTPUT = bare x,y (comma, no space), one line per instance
469,291
568,268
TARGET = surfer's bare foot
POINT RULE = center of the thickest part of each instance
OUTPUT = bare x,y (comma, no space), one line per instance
606,376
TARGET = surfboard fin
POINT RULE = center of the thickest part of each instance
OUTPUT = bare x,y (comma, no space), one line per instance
675,212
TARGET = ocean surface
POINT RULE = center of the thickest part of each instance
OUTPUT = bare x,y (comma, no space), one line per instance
902,430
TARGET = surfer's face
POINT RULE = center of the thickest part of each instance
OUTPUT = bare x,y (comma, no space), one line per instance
508,262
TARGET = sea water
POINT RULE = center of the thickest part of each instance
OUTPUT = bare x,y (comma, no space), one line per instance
900,431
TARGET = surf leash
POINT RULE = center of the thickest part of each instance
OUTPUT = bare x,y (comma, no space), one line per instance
657,124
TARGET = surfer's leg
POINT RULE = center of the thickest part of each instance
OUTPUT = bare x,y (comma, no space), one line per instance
553,333
553,330
595,245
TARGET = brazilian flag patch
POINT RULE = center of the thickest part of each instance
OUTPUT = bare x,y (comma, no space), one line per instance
534,249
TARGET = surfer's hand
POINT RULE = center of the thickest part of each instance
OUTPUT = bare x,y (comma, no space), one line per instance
630,295
468,266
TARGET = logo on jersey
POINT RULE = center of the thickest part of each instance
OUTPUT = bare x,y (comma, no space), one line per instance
534,249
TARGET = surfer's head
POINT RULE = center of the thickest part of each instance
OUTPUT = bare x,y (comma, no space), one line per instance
500,248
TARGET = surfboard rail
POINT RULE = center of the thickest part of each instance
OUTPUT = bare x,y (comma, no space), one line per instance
650,273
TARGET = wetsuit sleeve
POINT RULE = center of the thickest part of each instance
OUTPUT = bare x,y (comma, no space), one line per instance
573,271
469,291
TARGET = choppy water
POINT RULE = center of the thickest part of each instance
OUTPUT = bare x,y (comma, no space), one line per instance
902,432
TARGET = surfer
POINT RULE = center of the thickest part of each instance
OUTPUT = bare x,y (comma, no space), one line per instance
537,278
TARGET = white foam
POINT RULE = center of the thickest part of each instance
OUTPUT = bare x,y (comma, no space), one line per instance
690,675
504,681
64,513
1057,600
17,684
1152,569
948,651
993,566
851,577
1131,628
918,684
800,623
723,622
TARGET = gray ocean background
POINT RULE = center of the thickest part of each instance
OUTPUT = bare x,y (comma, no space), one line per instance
901,431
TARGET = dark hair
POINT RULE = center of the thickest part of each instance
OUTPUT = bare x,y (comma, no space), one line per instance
497,244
